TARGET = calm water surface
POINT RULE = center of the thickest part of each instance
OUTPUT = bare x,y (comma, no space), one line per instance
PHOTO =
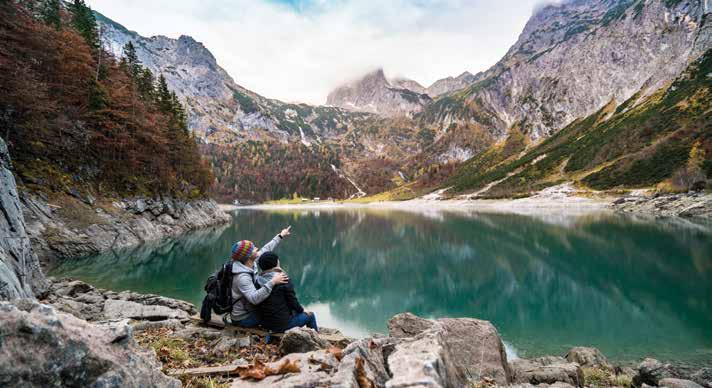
630,287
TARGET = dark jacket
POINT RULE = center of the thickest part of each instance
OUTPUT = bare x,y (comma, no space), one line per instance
279,307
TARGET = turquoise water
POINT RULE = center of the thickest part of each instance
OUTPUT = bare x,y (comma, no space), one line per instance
631,287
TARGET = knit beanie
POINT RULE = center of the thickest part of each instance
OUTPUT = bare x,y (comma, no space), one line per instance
268,260
242,250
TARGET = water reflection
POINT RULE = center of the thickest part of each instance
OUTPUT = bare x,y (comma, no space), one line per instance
630,286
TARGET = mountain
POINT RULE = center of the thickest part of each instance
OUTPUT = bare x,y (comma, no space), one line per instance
405,83
375,94
572,61
640,143
575,57
219,109
450,84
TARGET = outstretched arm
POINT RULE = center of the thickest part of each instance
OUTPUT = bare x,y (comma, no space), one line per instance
272,245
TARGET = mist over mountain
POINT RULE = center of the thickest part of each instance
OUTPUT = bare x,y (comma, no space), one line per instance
571,60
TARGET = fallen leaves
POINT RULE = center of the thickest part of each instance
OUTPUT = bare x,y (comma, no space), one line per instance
361,377
259,370
336,352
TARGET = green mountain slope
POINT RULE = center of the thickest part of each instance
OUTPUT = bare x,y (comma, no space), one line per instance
665,138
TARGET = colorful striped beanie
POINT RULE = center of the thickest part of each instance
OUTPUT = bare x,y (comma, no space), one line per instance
242,250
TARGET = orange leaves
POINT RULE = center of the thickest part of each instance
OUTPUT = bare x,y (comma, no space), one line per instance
336,352
361,377
288,366
258,370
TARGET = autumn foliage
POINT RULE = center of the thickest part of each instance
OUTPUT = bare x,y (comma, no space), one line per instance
258,171
73,115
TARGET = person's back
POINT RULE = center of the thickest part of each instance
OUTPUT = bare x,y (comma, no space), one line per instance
281,310
279,307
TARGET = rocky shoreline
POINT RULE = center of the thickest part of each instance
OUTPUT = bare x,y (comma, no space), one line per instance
56,235
138,339
691,204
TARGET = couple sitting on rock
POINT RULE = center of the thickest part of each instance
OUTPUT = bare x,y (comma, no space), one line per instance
262,293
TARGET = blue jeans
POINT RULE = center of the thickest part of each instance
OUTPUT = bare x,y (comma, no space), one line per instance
303,319
251,321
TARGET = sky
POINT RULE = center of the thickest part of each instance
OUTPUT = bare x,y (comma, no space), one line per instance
300,50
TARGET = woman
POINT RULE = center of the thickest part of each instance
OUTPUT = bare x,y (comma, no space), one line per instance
245,295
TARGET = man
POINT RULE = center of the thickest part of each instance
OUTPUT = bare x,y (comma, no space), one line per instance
281,310
245,256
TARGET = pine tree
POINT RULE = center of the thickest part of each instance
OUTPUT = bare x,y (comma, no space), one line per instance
179,114
50,13
145,85
131,62
165,102
84,22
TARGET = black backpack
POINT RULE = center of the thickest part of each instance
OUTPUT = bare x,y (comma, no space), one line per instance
219,293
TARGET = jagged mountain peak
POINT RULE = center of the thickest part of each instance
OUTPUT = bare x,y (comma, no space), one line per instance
407,83
450,84
374,93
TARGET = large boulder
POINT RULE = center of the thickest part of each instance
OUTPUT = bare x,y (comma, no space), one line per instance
678,383
651,371
20,273
42,347
588,357
451,353
118,309
703,377
407,325
301,340
546,370
364,360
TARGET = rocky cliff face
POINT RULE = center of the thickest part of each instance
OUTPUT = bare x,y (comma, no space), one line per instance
574,58
91,229
450,84
375,94
20,273
405,83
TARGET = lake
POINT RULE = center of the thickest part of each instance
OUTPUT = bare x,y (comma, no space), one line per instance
630,286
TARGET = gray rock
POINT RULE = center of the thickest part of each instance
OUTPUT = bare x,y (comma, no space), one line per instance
546,370
301,340
197,331
174,324
703,377
70,288
588,357
335,337
117,330
156,300
225,344
139,206
452,353
118,309
678,383
20,272
371,354
406,325
129,226
651,371
90,312
45,348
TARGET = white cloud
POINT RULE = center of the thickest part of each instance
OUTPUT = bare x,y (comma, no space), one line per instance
302,53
